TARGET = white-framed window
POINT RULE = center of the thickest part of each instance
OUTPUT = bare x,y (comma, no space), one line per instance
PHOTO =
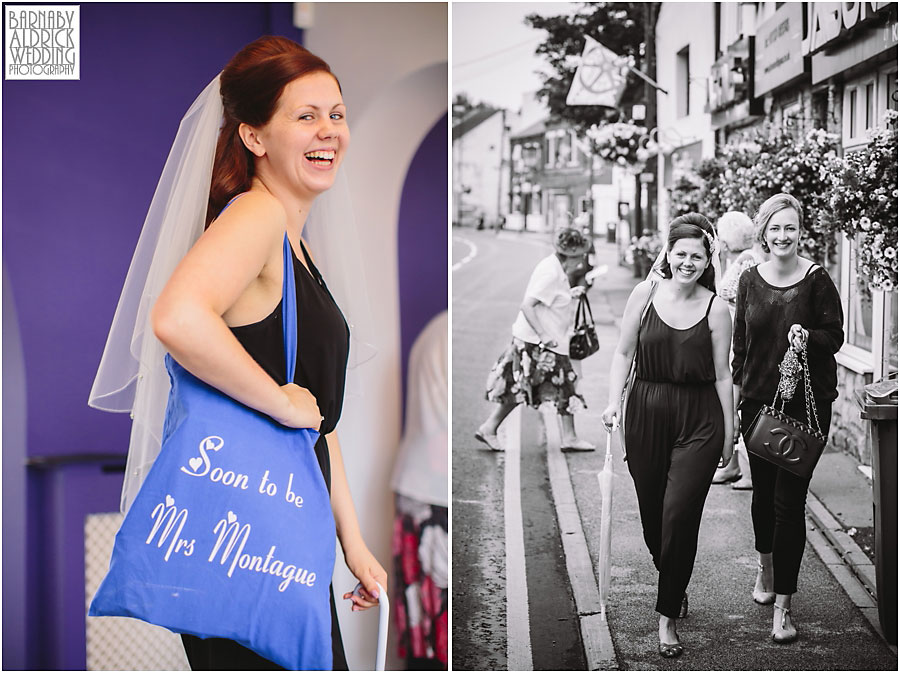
861,110
870,318
683,82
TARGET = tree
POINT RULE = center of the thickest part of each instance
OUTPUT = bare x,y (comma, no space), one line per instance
619,26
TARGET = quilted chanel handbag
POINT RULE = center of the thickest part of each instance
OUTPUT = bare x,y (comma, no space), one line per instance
584,340
781,439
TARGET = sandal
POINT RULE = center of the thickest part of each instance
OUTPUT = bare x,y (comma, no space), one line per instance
670,650
790,636
762,597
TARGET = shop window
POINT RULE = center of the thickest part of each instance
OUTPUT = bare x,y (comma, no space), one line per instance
870,105
859,313
889,82
889,359
853,130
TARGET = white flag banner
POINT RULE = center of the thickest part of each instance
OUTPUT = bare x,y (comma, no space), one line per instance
600,79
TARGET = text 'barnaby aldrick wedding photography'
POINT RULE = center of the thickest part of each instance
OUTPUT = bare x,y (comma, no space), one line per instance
42,42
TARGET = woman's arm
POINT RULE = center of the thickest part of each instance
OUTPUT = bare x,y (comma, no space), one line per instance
720,327
527,308
624,353
826,336
187,317
361,562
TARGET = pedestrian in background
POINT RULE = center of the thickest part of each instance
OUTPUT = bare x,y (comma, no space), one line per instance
787,301
536,367
421,562
741,249
679,414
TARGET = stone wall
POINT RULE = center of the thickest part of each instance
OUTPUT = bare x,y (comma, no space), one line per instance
849,433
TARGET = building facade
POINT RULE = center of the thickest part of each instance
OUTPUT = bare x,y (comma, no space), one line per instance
801,66
480,167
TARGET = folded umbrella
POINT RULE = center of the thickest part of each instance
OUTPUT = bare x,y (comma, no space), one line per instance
604,562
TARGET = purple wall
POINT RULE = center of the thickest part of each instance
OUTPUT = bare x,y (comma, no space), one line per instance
81,160
80,163
422,240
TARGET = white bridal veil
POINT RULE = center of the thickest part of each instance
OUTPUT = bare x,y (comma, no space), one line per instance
132,375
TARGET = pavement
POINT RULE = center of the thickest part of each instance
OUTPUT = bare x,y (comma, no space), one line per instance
835,609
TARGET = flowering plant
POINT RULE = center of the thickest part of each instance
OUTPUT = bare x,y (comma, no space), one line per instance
622,143
863,203
769,160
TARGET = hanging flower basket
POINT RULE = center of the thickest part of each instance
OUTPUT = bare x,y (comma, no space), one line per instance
623,143
863,203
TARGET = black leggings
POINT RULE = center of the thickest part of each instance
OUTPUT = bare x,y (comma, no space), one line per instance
779,499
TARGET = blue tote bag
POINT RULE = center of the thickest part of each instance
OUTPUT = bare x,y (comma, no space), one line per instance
231,534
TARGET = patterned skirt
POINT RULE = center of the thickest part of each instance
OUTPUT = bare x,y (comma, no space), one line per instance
527,373
420,579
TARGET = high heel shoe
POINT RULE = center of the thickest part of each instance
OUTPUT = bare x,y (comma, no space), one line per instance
789,636
762,597
682,613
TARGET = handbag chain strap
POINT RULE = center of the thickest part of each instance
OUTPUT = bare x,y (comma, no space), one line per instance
807,389
794,363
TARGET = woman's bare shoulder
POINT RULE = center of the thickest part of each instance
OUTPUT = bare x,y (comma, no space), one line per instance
256,210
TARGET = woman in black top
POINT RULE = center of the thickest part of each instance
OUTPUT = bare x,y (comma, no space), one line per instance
679,414
788,301
283,138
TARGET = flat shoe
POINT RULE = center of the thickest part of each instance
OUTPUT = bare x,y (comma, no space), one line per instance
490,440
579,445
723,477
671,650
742,485
762,597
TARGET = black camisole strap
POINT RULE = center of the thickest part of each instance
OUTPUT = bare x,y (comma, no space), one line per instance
309,263
812,267
709,308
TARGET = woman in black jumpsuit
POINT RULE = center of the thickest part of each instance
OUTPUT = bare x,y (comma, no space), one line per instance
678,420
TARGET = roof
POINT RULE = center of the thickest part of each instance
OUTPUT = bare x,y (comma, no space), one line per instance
474,118
537,128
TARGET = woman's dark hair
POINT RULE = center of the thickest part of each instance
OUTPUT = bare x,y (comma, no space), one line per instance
251,85
692,225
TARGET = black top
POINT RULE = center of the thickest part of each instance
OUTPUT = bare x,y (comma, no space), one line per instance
763,316
669,355
323,346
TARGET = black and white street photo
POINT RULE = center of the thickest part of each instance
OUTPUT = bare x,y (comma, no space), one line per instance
674,336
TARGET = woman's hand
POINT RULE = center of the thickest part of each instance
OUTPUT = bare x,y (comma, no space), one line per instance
577,291
301,409
727,452
611,416
366,568
797,337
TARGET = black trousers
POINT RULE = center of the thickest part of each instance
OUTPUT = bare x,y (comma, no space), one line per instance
779,499
221,654
674,435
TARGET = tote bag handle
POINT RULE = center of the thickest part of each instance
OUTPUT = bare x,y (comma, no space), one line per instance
289,311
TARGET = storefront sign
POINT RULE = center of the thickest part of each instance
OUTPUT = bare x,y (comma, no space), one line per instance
779,57
828,21
870,43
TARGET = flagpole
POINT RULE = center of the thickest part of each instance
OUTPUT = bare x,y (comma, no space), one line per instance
647,79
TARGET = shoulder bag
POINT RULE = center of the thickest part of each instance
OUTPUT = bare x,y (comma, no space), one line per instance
231,534
584,340
785,441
